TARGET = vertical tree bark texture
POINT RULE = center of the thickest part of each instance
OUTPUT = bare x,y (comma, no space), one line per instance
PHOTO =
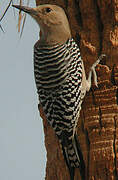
94,26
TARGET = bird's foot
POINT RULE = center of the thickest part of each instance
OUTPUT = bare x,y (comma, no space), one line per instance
92,70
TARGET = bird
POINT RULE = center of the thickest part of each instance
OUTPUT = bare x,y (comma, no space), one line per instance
60,79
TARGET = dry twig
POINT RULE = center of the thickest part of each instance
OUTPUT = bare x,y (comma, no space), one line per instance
24,20
6,10
19,18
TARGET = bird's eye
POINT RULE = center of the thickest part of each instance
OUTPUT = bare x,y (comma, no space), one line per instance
48,10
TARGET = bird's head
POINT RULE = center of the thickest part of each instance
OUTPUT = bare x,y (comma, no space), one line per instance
52,20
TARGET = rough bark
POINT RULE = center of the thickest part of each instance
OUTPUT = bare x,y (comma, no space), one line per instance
94,25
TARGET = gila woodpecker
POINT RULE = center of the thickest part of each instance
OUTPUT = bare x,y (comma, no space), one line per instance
60,79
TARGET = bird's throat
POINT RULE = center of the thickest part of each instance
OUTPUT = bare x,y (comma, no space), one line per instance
49,38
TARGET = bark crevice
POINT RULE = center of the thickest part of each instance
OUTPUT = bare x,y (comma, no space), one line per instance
88,153
100,117
100,27
117,96
78,13
66,3
114,148
93,97
113,81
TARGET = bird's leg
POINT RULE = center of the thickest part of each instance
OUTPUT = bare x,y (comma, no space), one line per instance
92,70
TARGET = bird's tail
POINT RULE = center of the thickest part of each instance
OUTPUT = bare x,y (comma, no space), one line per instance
74,158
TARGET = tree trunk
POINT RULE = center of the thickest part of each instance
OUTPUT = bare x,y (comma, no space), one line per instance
94,26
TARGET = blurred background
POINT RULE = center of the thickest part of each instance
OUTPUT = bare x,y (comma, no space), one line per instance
22,151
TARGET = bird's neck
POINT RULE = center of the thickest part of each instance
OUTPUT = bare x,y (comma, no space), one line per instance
54,37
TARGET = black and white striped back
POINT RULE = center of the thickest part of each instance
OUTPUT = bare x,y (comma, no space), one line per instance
58,76
51,63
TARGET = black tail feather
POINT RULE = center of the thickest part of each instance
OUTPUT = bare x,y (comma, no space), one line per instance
78,152
82,163
71,169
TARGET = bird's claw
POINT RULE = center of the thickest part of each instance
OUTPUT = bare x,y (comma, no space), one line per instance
93,68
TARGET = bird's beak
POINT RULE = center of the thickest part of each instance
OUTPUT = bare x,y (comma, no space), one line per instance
29,10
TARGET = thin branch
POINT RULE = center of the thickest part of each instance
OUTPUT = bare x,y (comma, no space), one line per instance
23,25
6,10
13,9
19,20
2,28
24,20
20,17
